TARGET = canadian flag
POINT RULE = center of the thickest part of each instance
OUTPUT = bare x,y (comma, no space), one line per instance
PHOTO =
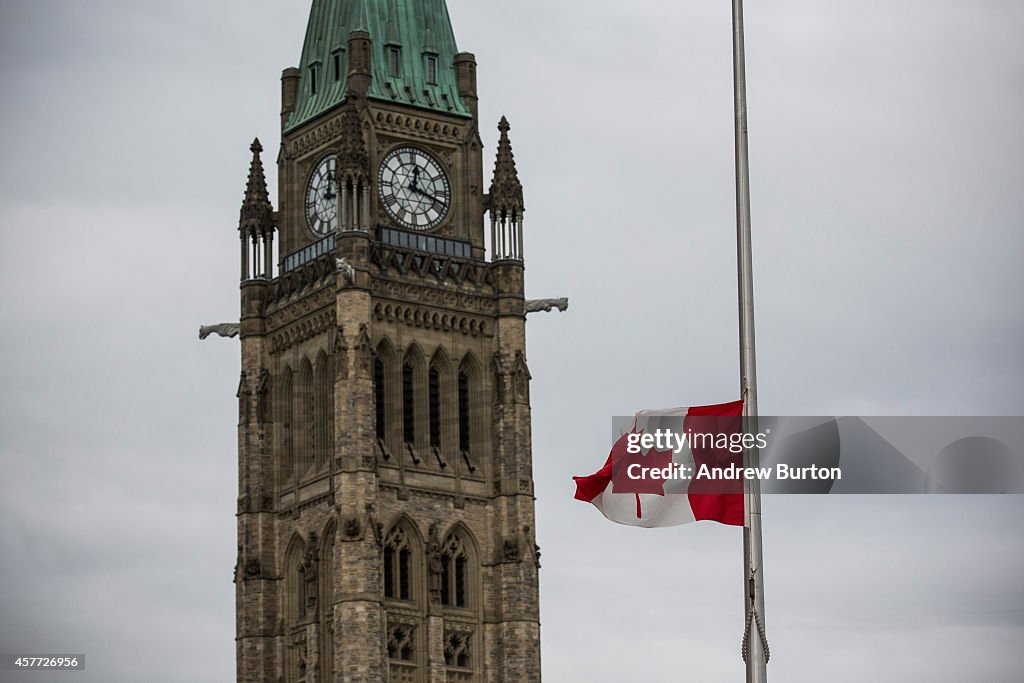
652,477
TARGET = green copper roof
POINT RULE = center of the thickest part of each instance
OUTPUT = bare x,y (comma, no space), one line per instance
418,28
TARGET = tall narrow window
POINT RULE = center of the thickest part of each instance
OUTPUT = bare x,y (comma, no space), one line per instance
397,566
432,69
460,581
312,79
378,396
434,392
463,412
389,572
408,406
454,573
336,58
403,574
393,61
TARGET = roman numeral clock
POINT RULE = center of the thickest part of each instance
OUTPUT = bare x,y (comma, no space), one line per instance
385,507
413,188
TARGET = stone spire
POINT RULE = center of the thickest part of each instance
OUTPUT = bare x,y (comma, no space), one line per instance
257,214
506,190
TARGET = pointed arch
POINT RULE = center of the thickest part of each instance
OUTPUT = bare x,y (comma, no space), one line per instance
323,410
403,561
284,407
460,569
414,399
327,598
385,367
470,410
303,413
439,394
294,606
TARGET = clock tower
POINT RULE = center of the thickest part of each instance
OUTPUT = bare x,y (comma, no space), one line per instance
385,508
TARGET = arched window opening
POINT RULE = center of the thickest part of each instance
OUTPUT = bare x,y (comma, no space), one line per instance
398,566
408,405
463,412
380,410
434,394
454,573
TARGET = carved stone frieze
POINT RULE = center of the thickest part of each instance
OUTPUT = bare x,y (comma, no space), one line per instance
289,286
407,125
300,308
434,296
409,263
427,318
302,330
313,138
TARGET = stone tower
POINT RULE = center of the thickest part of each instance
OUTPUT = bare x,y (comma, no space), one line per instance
385,507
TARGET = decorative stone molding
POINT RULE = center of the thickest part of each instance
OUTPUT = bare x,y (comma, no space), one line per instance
442,269
434,296
426,318
315,137
302,330
417,126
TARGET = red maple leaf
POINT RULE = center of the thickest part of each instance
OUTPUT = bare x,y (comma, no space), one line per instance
621,459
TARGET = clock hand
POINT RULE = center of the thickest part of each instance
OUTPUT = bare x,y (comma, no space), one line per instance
428,196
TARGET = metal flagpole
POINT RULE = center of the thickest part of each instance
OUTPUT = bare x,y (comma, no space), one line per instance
755,644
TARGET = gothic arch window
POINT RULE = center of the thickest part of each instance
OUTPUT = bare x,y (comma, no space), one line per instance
415,406
408,403
387,403
434,401
285,420
326,631
404,596
379,406
294,600
402,550
438,401
471,409
463,401
323,419
461,600
454,572
303,413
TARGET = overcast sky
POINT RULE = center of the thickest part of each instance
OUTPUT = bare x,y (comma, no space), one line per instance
888,215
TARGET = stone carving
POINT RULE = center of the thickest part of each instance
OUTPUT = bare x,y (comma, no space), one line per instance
340,352
243,399
546,305
263,397
401,640
346,270
510,550
457,648
228,330
302,330
308,568
435,565
252,568
364,349
352,529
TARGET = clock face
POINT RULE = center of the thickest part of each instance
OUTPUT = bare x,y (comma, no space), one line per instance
413,188
322,197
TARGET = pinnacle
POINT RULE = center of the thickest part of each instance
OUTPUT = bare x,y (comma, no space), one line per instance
506,190
256,214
